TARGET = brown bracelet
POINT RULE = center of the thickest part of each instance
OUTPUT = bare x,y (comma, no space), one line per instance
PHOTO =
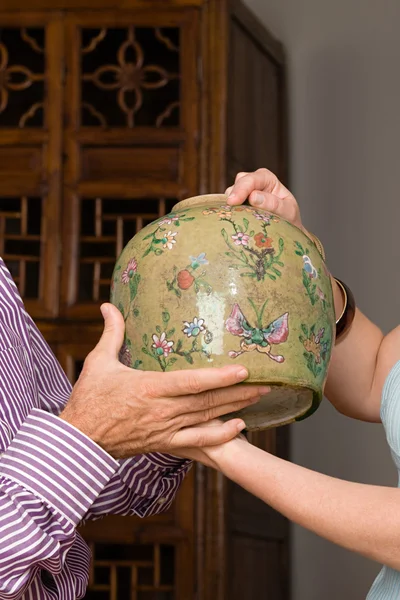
346,318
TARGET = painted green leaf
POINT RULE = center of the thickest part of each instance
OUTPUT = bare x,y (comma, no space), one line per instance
225,235
304,330
271,276
135,312
158,251
145,339
137,364
178,346
239,228
246,224
172,361
158,329
133,285
281,244
253,275
276,271
171,332
189,359
251,233
166,316
298,253
148,236
147,252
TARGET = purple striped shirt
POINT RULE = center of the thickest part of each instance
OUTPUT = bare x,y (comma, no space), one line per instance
52,476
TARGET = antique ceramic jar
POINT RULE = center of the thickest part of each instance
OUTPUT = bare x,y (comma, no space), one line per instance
210,285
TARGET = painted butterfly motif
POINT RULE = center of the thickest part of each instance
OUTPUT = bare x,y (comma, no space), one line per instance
257,338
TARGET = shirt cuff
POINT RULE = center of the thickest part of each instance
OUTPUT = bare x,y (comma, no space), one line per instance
154,485
58,463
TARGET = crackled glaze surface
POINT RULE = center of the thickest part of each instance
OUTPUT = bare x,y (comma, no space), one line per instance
210,284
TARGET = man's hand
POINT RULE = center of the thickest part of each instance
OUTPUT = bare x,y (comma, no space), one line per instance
129,412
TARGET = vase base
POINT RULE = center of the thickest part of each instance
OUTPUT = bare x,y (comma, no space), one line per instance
281,406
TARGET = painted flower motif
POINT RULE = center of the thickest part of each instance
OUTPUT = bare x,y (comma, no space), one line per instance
309,267
169,240
125,356
224,214
265,218
184,279
162,346
321,294
241,239
211,211
129,272
168,221
263,241
194,328
196,261
242,208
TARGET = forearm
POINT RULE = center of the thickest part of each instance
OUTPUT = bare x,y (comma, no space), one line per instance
361,518
352,372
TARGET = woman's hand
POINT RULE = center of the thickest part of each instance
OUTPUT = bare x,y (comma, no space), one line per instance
264,190
211,456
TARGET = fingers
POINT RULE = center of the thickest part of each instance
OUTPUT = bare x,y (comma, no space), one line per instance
261,180
114,331
210,402
283,207
204,416
196,381
200,437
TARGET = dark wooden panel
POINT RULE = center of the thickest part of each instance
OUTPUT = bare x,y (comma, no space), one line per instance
265,561
257,112
130,163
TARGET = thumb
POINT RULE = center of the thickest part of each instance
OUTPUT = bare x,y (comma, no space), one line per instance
114,330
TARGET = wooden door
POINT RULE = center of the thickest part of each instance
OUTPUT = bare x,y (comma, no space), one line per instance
31,74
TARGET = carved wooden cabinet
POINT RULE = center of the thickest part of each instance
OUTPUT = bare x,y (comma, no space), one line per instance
110,112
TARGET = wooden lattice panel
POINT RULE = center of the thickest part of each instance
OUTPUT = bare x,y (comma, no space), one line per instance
22,77
106,226
30,154
130,76
132,572
20,241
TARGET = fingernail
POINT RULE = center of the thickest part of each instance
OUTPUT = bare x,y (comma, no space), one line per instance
258,200
255,400
240,426
264,390
104,310
241,374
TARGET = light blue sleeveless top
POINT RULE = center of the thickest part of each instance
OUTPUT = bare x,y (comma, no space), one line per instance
387,585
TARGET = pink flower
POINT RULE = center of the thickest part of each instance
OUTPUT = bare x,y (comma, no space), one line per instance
241,239
320,293
265,218
168,221
129,272
162,345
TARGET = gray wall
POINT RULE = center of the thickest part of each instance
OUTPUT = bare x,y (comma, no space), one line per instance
344,82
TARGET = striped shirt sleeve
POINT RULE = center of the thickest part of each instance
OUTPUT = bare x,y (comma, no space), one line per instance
50,476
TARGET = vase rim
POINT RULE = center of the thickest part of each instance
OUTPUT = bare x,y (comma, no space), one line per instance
201,200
